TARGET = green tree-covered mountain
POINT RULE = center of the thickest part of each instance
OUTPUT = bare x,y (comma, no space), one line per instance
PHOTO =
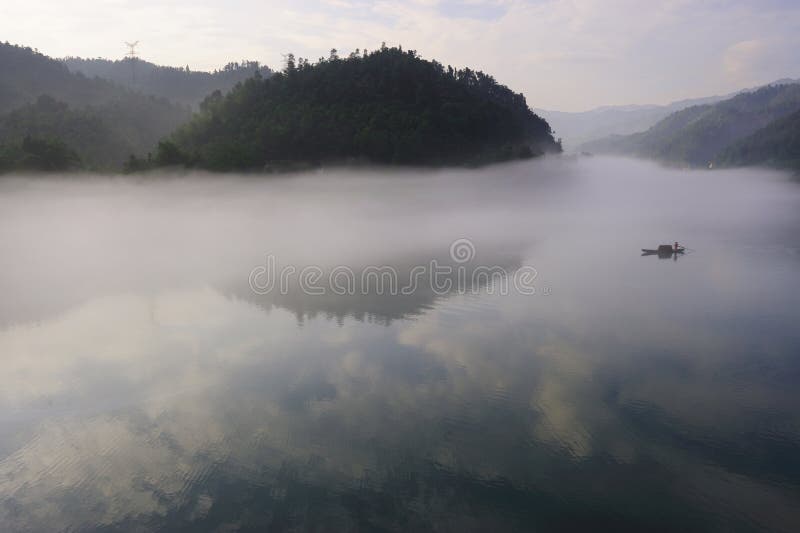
581,127
778,145
104,135
577,128
388,106
99,121
697,135
176,84
28,74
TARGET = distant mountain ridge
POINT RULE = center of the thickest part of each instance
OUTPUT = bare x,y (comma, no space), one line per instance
696,136
177,84
577,128
60,114
390,106
27,74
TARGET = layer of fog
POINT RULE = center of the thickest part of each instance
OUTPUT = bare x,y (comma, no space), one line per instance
67,239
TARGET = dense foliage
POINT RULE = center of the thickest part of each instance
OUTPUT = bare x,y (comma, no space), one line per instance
100,121
777,145
697,135
37,155
387,106
177,84
105,135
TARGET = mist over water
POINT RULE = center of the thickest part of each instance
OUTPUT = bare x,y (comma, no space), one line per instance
146,385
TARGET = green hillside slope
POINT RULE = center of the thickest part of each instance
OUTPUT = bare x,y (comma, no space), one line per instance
696,135
778,144
389,106
101,122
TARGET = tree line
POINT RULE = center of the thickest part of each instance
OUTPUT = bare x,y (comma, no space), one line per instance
385,106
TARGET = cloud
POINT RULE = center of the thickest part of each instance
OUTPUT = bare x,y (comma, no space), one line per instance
560,53
474,9
740,58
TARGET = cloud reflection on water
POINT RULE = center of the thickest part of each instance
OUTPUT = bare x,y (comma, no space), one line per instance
157,394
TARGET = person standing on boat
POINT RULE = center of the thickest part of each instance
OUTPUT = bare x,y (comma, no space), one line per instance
677,246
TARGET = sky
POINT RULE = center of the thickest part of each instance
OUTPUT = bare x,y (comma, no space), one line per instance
568,55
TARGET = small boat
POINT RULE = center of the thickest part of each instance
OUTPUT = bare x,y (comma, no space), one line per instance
664,250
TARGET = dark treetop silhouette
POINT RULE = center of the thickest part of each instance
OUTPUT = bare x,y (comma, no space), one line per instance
388,106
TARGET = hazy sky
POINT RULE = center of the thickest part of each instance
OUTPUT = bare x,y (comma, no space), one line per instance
563,54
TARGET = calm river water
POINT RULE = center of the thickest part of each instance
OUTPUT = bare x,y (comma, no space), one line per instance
539,374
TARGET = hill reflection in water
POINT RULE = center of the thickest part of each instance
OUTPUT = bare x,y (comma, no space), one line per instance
146,386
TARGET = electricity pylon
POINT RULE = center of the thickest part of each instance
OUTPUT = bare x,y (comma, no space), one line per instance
132,57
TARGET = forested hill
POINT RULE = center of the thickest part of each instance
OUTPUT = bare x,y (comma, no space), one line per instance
388,106
27,74
178,84
696,136
776,145
582,127
53,119
577,128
